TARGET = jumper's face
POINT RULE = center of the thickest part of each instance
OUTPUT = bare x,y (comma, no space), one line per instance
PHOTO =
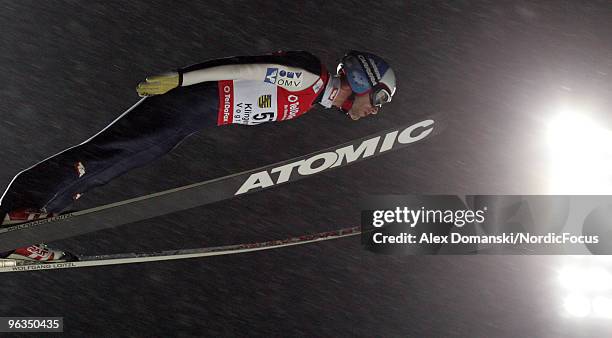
362,107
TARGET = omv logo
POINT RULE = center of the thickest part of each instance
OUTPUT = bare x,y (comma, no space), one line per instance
271,74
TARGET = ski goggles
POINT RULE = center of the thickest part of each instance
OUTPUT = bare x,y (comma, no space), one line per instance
380,95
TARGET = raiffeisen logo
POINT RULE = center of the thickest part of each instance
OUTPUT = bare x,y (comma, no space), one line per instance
337,157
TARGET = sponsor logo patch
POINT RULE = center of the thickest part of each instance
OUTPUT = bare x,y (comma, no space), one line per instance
271,74
317,86
333,94
283,78
293,108
264,101
227,105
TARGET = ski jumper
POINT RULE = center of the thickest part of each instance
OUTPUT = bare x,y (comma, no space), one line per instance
237,90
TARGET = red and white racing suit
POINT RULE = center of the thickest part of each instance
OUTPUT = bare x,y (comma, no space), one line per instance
237,90
256,89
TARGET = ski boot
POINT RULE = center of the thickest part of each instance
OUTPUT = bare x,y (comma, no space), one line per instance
38,253
24,215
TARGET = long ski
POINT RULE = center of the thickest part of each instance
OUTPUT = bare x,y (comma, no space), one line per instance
198,194
8,265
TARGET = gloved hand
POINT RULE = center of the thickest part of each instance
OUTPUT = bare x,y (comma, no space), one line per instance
158,84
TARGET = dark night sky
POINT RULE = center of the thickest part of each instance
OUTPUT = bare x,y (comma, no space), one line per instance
489,73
